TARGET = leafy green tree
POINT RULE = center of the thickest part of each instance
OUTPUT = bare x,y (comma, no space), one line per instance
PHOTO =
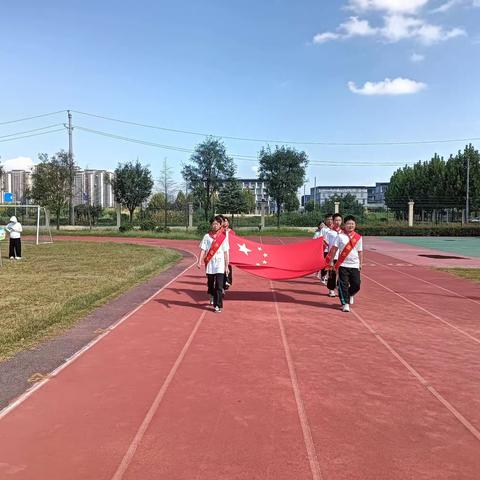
292,204
180,203
349,205
283,170
51,183
209,168
231,198
249,199
132,185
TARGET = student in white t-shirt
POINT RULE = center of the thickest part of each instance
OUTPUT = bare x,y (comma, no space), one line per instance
349,266
322,231
14,228
330,240
214,247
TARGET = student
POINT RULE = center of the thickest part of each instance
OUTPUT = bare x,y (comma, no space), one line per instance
14,228
322,231
330,239
214,249
228,281
348,245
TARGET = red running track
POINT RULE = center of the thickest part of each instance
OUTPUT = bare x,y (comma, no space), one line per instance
280,385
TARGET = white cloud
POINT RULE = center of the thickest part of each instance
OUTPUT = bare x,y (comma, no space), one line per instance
417,57
446,6
325,37
19,163
255,169
356,27
389,6
397,86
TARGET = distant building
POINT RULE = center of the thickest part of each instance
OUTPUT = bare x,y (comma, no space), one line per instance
259,190
376,194
18,182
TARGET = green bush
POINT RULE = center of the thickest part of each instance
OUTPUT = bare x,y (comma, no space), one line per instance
148,224
203,228
450,230
126,227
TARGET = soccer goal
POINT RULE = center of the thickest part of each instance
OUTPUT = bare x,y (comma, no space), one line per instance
34,220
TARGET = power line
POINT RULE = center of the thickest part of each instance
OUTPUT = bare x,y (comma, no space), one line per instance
32,135
32,118
248,158
30,131
291,142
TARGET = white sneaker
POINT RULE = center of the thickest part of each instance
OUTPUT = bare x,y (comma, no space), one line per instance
346,308
18,258
12,258
352,300
211,299
331,293
218,309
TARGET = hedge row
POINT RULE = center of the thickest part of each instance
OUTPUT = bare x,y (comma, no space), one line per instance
420,231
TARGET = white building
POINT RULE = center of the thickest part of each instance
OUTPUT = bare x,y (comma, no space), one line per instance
259,190
18,182
322,193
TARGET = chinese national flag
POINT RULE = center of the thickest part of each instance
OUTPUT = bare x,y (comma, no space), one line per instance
277,262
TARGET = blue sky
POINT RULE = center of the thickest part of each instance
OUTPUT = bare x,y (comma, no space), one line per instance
275,69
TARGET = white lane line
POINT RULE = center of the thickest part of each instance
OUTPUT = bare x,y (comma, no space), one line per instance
302,414
87,347
125,463
466,423
429,283
458,329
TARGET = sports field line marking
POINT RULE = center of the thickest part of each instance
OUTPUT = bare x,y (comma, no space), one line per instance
426,281
466,423
463,332
87,347
302,414
125,463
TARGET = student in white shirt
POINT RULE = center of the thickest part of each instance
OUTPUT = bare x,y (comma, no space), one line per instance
228,280
330,239
322,231
14,228
214,247
350,265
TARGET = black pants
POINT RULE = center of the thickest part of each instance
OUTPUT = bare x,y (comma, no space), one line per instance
324,271
228,278
332,279
215,288
348,283
15,249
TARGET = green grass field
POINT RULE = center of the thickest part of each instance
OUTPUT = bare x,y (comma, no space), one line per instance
469,273
57,284
465,246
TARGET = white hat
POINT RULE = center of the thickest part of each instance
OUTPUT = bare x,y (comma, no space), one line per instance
14,219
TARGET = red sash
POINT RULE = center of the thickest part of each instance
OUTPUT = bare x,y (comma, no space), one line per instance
328,258
217,243
354,238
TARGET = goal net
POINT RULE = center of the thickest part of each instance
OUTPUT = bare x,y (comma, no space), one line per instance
34,220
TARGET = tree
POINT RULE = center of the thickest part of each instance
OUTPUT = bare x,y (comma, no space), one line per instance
88,214
310,206
231,198
51,183
167,185
249,199
283,171
210,166
292,204
349,205
132,185
180,203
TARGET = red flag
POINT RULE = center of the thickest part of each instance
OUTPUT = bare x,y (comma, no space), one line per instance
277,262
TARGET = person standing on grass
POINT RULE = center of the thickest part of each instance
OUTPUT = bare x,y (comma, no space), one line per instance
348,246
322,231
14,228
228,280
332,255
214,249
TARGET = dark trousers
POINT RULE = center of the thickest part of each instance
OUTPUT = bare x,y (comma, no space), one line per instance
228,278
324,271
332,279
215,288
15,249
348,283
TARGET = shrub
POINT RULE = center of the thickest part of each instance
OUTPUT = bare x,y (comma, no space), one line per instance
203,228
126,227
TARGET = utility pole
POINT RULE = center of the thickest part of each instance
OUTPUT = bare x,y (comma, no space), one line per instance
467,201
71,167
314,193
